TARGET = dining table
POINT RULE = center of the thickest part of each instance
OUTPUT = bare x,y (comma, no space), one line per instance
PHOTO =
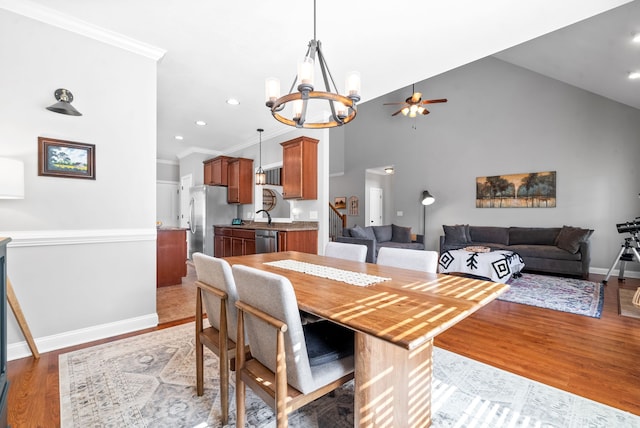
395,314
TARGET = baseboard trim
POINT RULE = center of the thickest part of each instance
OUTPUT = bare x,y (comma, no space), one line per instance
83,335
615,272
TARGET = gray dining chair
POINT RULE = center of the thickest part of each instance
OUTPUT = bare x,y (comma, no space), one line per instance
341,250
426,261
291,364
216,294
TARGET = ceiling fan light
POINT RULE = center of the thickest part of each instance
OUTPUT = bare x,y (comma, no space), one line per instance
405,111
420,109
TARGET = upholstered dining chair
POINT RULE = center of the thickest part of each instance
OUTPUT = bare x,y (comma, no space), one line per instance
341,250
216,294
426,261
290,365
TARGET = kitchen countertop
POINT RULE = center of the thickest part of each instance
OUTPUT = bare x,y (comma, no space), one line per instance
296,225
169,228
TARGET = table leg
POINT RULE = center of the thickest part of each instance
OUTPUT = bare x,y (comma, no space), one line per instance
392,384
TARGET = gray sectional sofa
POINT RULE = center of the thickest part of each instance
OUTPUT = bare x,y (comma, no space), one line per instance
561,250
375,237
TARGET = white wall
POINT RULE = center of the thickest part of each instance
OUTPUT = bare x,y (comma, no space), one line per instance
503,119
82,260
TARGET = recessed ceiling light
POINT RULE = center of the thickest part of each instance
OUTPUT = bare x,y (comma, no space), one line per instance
389,170
233,101
636,38
201,122
179,137
634,75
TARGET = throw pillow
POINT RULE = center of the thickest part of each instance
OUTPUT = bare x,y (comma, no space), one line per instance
383,233
456,235
366,233
400,234
569,238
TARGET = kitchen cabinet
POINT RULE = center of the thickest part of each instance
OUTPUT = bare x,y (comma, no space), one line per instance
240,181
305,241
171,257
300,168
228,241
215,171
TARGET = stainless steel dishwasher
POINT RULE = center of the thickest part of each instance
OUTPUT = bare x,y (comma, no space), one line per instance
266,241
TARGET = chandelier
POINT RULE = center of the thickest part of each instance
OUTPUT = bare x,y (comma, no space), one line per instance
342,107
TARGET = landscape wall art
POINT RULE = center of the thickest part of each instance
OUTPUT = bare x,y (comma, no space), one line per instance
527,190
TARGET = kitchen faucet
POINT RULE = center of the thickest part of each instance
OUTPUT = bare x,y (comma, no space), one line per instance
268,215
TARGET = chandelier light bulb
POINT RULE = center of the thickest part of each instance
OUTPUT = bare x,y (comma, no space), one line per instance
352,84
305,71
272,89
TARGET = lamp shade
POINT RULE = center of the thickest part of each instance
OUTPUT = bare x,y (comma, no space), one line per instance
427,199
11,179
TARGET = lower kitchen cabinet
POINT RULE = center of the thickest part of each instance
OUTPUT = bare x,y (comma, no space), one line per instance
171,256
305,241
228,242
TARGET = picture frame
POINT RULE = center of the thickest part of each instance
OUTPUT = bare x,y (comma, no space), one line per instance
340,202
524,190
68,159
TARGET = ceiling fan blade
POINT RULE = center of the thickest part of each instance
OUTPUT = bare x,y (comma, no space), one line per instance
416,97
397,112
441,100
425,112
393,104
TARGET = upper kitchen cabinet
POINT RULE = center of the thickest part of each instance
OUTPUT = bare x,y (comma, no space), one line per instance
240,181
300,168
215,171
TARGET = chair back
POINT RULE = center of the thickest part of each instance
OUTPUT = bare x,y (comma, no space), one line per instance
341,250
274,295
426,261
217,273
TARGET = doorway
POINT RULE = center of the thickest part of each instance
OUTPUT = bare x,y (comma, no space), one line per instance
375,206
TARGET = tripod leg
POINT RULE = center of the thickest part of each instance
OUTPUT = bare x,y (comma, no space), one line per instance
615,261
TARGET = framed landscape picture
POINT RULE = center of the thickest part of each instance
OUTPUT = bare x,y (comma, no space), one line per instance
526,190
340,202
59,158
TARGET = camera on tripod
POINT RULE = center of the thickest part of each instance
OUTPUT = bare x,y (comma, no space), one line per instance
630,226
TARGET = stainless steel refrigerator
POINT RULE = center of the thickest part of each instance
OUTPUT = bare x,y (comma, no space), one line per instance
207,207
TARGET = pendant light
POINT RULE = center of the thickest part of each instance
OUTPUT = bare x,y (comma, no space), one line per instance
261,176
342,107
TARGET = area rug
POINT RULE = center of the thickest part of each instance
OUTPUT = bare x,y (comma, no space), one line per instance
626,308
572,295
149,381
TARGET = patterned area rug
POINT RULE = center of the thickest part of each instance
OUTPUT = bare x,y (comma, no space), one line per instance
572,295
149,381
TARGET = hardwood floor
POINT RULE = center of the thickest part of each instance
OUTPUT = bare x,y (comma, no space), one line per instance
595,358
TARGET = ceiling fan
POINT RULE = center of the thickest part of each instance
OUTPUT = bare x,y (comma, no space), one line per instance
414,104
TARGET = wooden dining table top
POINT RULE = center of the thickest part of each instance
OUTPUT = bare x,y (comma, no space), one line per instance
409,309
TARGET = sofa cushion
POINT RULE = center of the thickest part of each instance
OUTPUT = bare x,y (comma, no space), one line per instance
544,252
410,246
400,234
570,237
498,235
363,233
456,234
383,233
533,235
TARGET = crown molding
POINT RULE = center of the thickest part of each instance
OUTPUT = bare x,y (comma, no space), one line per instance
52,17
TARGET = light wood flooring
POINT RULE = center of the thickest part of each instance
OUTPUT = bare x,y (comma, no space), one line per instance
595,358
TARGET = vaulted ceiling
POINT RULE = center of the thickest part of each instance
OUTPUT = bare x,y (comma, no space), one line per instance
217,50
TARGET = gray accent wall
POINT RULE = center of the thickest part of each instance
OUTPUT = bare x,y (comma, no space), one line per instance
500,119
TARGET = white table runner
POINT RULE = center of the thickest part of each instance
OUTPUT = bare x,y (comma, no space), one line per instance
353,278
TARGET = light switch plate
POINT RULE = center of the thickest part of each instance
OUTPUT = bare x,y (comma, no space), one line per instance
313,215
